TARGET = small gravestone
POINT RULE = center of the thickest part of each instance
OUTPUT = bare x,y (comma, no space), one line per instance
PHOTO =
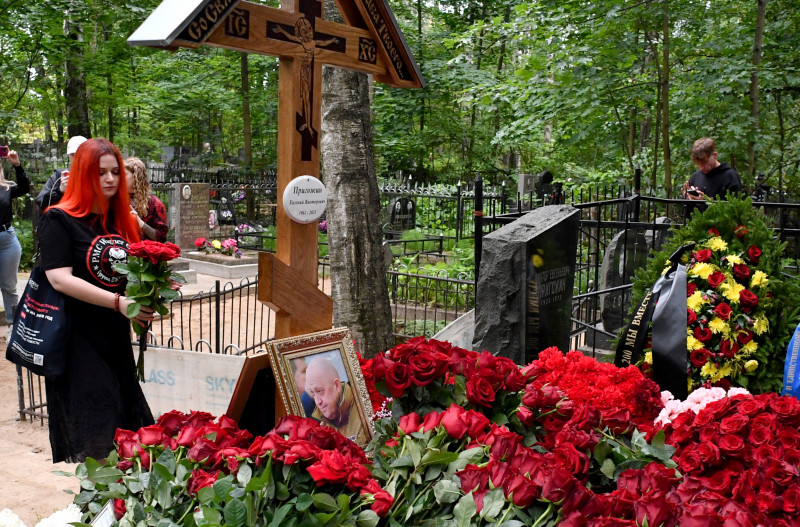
189,212
626,252
402,214
524,298
167,153
656,238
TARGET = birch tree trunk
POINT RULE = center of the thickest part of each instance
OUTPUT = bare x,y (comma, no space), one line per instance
758,42
355,235
665,104
75,96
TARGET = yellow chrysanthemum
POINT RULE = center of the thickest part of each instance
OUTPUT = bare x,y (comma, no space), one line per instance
749,348
709,369
703,270
759,279
761,325
717,244
751,365
717,325
692,343
648,357
695,301
216,244
733,259
667,267
731,290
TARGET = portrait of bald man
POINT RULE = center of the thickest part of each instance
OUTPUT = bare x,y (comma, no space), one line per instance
334,400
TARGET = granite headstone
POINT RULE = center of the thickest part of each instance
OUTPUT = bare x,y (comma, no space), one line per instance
626,252
188,212
402,213
524,297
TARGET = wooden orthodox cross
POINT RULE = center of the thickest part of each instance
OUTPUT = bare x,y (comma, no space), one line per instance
369,41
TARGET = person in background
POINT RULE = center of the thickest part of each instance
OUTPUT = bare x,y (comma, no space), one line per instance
299,368
56,185
335,400
10,249
146,208
712,178
81,238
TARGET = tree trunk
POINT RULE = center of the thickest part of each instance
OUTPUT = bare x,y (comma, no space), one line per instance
76,99
246,126
358,270
665,105
110,85
754,95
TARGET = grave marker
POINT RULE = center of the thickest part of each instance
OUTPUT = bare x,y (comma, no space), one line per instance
524,298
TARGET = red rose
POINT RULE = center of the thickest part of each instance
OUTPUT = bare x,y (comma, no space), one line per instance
708,452
480,392
200,479
748,298
754,253
431,421
715,279
476,423
691,287
119,508
655,507
380,365
723,311
330,467
713,232
453,421
617,419
703,334
154,251
743,337
689,461
786,408
729,348
691,317
172,421
125,464
200,242
703,255
558,485
750,405
473,478
398,379
383,500
791,500
410,423
151,435
741,272
504,442
740,231
699,357
569,457
522,491
733,424
427,367
731,445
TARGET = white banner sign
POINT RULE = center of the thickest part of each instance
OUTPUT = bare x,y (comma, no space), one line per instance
189,380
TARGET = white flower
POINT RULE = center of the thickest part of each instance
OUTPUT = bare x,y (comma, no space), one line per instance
62,518
9,519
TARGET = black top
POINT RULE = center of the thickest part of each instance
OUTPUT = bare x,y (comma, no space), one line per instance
14,190
51,192
98,391
718,182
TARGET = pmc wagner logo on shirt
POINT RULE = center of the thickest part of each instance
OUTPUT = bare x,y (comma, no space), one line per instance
104,253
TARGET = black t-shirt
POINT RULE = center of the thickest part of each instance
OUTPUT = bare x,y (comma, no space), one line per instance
82,244
718,182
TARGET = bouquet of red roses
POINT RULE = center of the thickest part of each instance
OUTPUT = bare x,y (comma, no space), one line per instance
151,283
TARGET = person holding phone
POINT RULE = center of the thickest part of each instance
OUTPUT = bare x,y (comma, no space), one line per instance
10,248
56,184
711,179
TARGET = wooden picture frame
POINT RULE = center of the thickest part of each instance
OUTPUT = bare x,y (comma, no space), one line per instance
334,389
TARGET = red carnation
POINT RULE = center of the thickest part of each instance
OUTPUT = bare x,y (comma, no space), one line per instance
713,232
748,298
740,231
715,279
723,311
754,253
703,255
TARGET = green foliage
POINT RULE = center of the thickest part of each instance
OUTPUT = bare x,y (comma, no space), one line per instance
783,313
24,230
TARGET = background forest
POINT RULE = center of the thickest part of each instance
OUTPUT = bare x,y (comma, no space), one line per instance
586,90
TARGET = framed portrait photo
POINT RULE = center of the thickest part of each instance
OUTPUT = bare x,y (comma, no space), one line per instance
318,376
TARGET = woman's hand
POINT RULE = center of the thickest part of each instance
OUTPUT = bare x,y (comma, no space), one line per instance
145,315
135,214
13,157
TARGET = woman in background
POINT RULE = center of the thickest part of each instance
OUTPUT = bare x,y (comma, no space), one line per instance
150,213
10,249
81,239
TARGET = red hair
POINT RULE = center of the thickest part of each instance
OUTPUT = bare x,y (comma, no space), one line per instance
84,195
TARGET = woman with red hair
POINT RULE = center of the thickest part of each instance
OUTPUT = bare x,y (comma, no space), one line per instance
81,239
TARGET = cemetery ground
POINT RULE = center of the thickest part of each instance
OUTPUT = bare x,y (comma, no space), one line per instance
29,485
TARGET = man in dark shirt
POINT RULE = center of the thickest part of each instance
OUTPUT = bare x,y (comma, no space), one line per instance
712,179
54,188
